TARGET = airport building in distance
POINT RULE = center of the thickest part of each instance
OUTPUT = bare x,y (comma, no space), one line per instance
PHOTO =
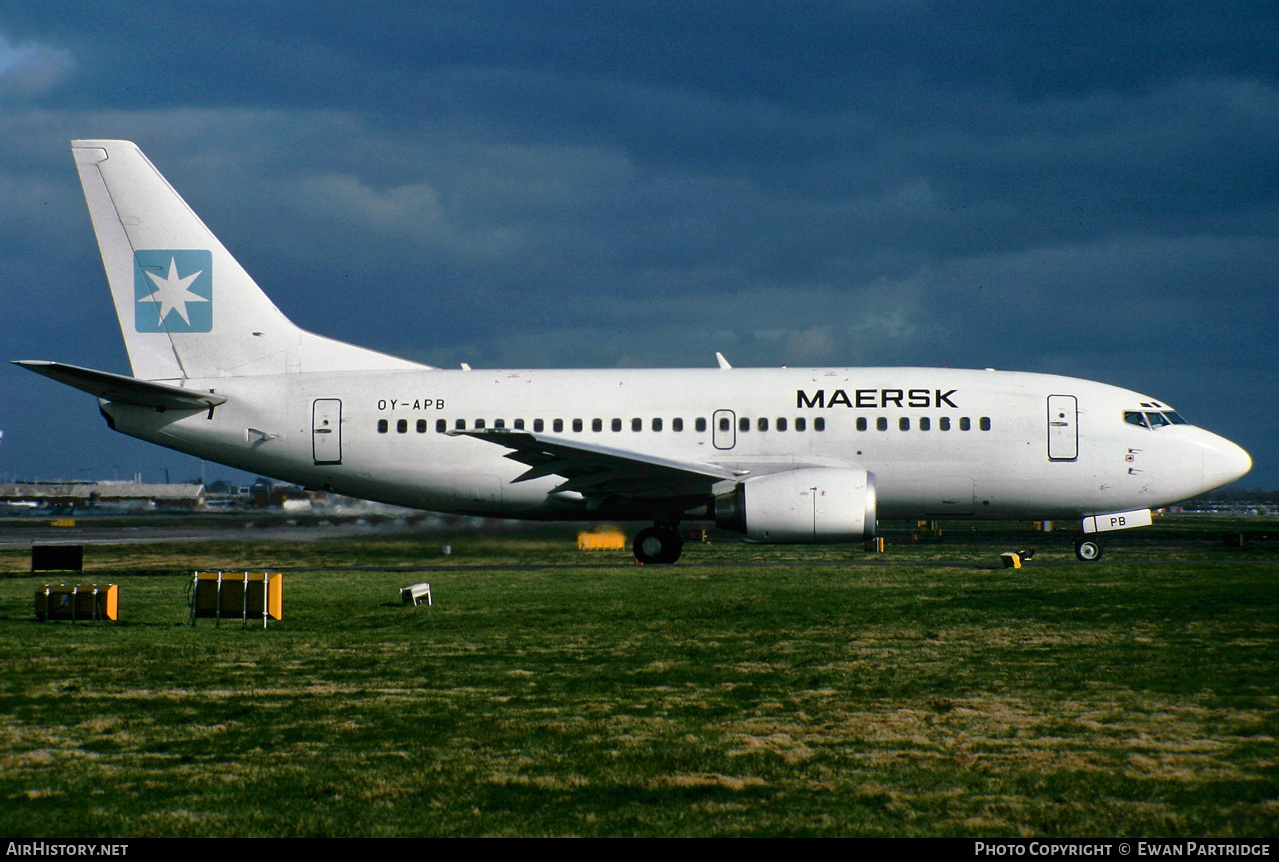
108,494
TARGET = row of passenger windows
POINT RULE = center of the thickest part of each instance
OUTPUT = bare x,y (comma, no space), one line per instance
925,423
557,425
800,423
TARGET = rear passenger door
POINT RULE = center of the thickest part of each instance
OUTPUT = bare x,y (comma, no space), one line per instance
326,431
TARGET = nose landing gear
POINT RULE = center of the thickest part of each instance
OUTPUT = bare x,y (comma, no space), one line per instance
1087,550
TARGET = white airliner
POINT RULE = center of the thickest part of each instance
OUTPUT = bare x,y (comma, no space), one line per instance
782,455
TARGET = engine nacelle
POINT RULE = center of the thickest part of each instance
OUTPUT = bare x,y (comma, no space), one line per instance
812,504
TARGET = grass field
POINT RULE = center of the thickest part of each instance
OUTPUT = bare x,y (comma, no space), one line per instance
746,691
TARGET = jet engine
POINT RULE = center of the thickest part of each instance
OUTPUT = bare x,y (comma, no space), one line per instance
811,504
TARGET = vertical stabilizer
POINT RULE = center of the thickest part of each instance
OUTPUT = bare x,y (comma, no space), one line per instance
186,307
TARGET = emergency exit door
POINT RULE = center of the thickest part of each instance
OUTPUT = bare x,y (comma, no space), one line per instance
326,431
1063,428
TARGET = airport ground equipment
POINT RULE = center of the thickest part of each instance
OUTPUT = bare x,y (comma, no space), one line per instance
77,602
57,558
601,540
1243,540
1015,559
413,595
237,595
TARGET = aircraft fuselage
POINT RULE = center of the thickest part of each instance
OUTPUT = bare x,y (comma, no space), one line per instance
949,443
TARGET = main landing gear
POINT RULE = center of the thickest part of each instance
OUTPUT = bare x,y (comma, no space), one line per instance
1087,550
660,544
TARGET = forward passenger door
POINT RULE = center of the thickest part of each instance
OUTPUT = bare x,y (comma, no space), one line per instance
1063,428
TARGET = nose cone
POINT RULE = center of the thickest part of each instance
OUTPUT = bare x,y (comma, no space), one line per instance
1224,462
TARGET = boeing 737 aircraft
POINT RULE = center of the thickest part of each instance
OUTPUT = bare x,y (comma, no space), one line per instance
780,454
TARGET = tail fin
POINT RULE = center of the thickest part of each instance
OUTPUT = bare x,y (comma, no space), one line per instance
186,307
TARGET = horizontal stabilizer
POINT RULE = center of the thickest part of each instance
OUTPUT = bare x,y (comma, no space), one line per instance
124,390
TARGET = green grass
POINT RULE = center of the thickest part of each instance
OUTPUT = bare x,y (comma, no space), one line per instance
745,691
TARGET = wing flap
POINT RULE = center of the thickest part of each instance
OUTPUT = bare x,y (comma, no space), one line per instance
124,390
596,471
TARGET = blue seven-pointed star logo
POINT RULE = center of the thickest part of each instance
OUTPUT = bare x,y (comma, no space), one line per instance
173,290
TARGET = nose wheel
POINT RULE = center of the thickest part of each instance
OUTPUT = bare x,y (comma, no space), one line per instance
1087,550
658,545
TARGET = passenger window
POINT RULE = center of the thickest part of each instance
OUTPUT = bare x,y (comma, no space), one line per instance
985,423
903,424
881,424
441,425
538,426
637,425
781,423
617,425
577,425
965,424
819,424
421,426
657,424
519,424
499,423
479,424
944,423
861,423
558,425
762,424
678,425
801,424
724,424
460,425
597,425
402,426
925,423
744,424
381,426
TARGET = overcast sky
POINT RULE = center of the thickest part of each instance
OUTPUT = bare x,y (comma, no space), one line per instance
1080,188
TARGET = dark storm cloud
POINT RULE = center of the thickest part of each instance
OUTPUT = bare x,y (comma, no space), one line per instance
1079,188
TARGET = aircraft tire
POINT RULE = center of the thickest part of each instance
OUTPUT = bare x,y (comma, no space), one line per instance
1087,550
656,545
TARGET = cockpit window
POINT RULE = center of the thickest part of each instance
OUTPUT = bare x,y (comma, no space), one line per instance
1153,420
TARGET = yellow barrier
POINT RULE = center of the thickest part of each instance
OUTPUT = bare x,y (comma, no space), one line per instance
237,595
601,541
77,602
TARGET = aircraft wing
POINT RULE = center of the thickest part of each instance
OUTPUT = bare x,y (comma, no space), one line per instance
124,390
596,471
